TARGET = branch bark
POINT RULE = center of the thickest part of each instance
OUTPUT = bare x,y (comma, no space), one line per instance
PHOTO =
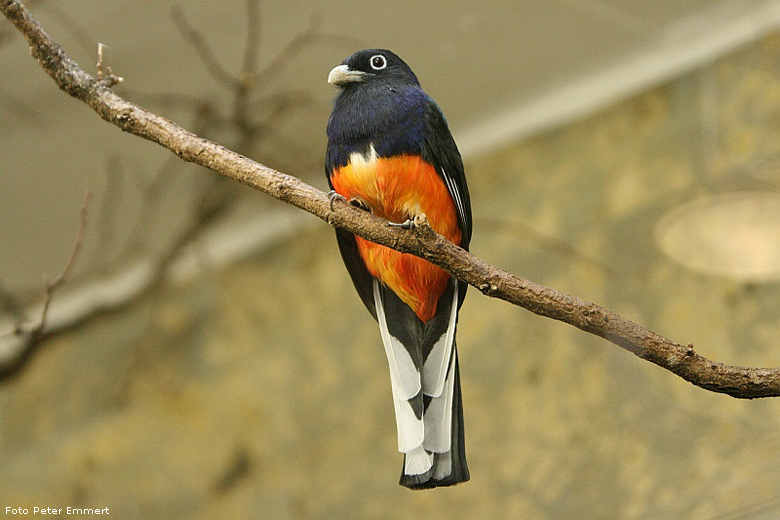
682,360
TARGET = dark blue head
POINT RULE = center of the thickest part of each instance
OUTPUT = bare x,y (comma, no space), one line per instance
372,67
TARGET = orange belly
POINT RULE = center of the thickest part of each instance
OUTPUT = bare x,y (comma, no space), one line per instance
398,188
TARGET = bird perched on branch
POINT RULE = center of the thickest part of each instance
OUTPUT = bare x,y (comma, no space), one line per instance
390,152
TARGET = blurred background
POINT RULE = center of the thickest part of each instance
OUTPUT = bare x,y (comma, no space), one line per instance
207,356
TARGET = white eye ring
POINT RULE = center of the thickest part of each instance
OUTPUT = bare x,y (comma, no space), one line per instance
377,62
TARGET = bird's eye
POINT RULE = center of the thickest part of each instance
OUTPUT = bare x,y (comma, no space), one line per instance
378,62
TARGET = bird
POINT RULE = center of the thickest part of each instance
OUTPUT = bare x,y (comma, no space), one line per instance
390,152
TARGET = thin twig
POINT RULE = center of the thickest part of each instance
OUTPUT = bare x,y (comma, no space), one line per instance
54,284
18,344
106,74
204,52
679,359
107,212
252,36
241,117
297,44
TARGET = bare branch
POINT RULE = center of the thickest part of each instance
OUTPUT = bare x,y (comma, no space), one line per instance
297,44
203,50
54,284
107,211
681,360
252,36
21,341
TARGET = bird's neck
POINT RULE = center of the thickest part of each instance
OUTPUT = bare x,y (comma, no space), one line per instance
392,118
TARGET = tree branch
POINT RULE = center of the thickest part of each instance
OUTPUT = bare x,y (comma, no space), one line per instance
18,345
54,284
681,360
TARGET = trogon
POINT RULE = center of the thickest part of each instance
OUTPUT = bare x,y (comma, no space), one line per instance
390,152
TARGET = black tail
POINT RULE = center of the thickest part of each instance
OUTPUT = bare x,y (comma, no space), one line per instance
449,468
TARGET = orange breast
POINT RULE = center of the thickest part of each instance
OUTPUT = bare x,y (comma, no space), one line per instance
398,188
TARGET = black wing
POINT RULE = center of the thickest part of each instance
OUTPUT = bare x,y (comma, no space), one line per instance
440,150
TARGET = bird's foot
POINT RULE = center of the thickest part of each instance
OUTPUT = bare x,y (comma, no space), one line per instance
406,224
333,196
360,204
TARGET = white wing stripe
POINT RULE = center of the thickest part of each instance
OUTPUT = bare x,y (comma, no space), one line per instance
455,193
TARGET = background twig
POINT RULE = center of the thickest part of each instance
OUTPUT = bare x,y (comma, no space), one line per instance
54,284
25,337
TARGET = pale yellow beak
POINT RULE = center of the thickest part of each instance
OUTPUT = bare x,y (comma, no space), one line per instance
342,74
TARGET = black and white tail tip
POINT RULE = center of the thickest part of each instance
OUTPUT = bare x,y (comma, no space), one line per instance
426,396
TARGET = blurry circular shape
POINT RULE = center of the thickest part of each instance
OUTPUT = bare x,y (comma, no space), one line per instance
735,235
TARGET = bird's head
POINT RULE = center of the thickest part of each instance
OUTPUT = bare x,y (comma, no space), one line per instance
372,66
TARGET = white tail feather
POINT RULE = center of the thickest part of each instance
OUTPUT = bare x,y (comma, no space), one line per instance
418,461
437,420
405,382
435,367
401,364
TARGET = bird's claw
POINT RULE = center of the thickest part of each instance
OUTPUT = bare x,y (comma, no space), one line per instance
406,224
358,203
333,196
